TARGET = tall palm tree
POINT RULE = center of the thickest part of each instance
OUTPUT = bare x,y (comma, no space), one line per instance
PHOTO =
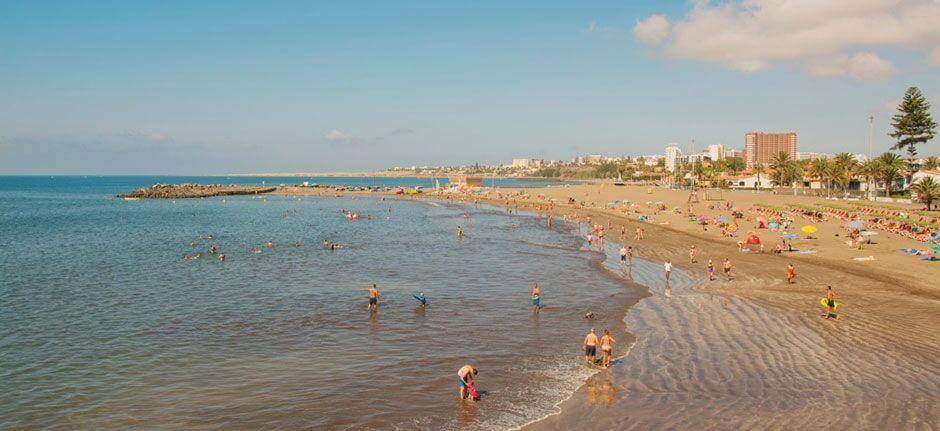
819,169
891,166
927,190
845,166
758,169
871,169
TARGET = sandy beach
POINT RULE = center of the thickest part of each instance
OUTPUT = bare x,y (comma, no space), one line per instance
754,352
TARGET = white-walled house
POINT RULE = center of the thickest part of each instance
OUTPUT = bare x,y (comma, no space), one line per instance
751,182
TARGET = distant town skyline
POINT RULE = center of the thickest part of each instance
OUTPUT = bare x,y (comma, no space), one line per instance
216,88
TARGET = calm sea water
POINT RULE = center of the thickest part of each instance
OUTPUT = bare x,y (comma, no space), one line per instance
103,325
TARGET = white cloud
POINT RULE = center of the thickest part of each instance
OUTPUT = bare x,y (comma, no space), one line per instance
138,135
864,66
590,28
935,56
337,136
831,38
652,30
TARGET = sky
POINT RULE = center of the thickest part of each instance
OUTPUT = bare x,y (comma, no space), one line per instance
183,87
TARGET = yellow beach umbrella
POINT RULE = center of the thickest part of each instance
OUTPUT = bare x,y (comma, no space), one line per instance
808,229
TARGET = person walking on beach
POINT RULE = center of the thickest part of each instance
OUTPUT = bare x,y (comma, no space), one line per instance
726,267
465,378
536,299
710,269
668,267
830,302
692,253
590,347
791,273
607,343
373,298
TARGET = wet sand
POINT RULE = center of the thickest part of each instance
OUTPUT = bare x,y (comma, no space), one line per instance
754,353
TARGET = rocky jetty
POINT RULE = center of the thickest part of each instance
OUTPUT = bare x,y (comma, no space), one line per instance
183,191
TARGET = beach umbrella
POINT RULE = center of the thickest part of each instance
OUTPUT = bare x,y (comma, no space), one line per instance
788,236
723,219
753,240
732,228
809,229
774,225
868,233
854,224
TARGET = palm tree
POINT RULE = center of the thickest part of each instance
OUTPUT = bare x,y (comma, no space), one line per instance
931,163
926,190
891,166
845,166
870,170
758,169
819,169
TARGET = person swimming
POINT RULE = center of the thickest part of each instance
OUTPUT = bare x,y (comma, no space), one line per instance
420,297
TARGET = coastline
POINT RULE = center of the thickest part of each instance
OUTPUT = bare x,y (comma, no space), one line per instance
886,341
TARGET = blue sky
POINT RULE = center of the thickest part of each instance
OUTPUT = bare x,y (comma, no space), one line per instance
170,87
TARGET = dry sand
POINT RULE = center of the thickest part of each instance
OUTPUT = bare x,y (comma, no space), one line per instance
754,353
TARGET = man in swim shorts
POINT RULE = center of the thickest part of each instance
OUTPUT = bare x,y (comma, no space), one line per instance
791,273
373,298
830,302
464,378
623,254
726,267
668,267
536,298
590,347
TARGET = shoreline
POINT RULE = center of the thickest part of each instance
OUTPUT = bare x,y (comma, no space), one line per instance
890,322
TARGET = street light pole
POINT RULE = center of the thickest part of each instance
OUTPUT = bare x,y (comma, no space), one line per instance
871,138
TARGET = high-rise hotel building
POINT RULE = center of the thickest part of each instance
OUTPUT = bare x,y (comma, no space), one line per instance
760,148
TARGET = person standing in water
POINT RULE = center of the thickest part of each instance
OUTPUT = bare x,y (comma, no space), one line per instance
459,232
630,255
373,298
623,255
590,347
536,298
607,343
668,267
464,378
791,273
420,297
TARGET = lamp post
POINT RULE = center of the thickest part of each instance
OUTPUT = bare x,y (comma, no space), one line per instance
871,138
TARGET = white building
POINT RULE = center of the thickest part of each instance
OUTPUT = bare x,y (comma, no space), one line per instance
526,163
673,157
806,155
716,152
750,182
731,152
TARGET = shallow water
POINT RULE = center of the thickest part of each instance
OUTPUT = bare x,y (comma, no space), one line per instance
103,325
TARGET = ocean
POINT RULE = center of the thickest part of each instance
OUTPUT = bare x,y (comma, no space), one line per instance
104,325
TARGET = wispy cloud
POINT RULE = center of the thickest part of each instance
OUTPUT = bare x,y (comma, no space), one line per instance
834,38
594,28
337,136
138,135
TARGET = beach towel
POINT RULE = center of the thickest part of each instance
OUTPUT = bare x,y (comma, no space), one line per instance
807,252
472,392
865,258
